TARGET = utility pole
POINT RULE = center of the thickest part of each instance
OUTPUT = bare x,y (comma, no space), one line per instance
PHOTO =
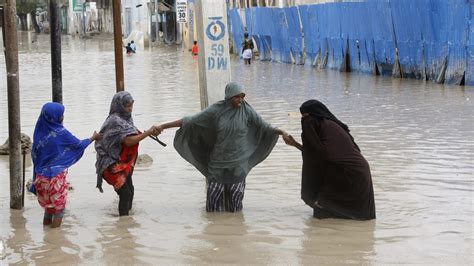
117,13
191,24
84,18
157,23
164,24
13,87
55,35
213,43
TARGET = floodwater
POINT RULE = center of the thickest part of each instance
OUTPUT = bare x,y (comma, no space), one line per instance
417,136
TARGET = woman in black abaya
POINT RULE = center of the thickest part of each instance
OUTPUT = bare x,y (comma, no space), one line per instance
336,179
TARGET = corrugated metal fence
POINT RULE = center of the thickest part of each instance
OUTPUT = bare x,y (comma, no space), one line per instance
425,39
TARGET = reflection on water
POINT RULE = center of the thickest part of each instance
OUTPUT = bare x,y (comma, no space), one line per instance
56,248
19,236
417,136
221,240
327,242
119,244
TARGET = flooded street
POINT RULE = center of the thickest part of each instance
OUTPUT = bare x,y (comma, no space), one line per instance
417,137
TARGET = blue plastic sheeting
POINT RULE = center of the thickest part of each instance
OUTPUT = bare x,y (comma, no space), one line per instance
322,40
428,39
237,29
458,30
294,31
383,44
310,30
359,40
248,21
280,36
335,41
433,17
261,32
469,78
307,34
407,27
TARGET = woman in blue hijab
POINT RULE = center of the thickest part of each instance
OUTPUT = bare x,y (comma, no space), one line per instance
54,150
224,142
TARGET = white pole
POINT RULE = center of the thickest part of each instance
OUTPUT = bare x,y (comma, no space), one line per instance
213,43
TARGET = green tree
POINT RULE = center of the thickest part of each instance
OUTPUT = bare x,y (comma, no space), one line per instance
23,7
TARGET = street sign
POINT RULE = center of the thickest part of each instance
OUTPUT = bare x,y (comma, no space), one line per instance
77,5
181,11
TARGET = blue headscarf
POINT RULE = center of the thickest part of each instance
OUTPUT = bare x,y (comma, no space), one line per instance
54,148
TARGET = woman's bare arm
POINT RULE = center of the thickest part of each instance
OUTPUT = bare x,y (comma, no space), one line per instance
176,123
134,139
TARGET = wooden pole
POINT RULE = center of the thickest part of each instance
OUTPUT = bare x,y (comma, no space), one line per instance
55,35
23,178
14,129
117,13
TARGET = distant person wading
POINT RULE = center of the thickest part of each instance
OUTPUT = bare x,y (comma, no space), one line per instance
247,49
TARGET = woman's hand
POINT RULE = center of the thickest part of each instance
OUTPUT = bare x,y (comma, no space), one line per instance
158,129
154,130
289,140
95,136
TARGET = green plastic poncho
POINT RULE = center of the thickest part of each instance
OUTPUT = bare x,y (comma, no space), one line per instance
223,142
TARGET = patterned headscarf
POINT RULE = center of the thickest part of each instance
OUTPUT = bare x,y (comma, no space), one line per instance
117,126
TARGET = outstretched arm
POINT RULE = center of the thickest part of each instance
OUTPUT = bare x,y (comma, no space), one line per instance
280,132
134,139
176,123
289,140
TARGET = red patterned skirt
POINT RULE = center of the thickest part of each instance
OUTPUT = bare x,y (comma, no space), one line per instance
52,192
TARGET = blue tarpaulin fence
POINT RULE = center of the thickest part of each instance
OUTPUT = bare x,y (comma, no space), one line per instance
426,39
470,50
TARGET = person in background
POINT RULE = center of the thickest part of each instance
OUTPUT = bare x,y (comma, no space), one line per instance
117,151
247,49
224,142
336,180
54,150
133,46
194,49
128,49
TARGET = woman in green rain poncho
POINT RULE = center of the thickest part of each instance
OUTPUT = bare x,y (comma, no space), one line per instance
224,142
